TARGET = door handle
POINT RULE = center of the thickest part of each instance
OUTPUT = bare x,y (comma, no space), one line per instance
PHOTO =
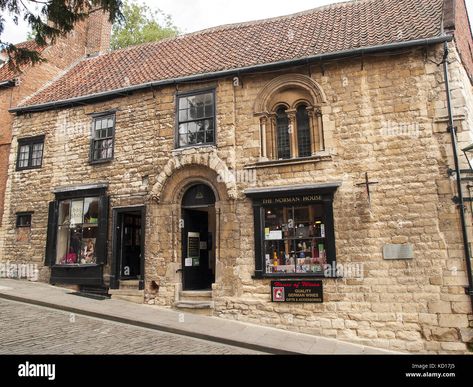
179,270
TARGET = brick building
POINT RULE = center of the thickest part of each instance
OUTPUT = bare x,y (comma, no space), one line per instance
304,158
90,37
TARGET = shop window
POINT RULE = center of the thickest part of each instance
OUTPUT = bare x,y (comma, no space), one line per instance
77,231
30,153
294,233
196,119
295,239
103,132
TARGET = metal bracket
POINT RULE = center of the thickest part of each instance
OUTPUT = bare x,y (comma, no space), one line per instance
451,172
449,128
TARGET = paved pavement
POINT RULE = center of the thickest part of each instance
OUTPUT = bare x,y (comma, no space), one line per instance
213,329
30,329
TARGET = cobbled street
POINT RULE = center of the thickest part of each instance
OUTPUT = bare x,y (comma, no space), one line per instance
29,329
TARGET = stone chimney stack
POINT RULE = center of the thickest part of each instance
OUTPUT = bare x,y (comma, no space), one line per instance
99,31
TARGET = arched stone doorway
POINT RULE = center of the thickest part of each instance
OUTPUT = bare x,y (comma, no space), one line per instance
198,237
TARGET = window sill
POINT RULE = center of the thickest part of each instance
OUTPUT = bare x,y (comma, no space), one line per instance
192,148
301,160
99,162
76,265
22,169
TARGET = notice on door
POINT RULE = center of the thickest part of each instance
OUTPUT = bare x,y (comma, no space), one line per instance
297,291
193,245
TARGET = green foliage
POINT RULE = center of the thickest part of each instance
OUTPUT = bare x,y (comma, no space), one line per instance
62,16
141,24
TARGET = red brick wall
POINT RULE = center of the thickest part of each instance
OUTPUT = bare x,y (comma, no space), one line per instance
98,33
456,21
463,37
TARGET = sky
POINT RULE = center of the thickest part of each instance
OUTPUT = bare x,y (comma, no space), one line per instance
194,15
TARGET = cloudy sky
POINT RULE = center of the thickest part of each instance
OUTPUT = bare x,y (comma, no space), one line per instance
194,15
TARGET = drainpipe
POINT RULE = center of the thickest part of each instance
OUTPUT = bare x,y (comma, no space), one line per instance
459,201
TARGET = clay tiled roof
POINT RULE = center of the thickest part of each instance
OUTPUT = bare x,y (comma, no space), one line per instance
329,29
6,73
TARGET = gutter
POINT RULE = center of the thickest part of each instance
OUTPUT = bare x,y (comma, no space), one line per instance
9,83
242,70
459,200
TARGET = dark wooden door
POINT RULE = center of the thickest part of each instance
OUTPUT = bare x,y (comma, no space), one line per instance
130,246
196,244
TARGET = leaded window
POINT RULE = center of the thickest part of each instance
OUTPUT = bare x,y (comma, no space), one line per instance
283,137
196,119
103,132
303,131
30,153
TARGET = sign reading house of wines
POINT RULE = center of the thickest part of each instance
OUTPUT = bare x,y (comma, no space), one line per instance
296,291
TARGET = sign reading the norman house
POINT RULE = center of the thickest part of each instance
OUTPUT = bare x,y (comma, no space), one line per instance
296,291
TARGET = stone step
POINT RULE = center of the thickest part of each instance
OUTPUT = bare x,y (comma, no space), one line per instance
197,307
196,295
131,295
129,284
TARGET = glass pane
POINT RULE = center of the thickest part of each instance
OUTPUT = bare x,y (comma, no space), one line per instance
183,128
282,123
24,221
37,155
110,122
209,136
303,131
209,111
182,115
62,245
183,103
98,124
77,212
183,140
64,213
91,210
110,132
88,243
310,256
24,156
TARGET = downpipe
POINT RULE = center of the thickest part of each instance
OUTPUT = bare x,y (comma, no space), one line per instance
460,201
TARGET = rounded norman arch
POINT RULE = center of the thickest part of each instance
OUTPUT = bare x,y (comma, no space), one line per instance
192,169
289,81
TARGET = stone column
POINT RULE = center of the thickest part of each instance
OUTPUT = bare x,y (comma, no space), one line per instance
271,138
264,145
320,128
291,114
314,131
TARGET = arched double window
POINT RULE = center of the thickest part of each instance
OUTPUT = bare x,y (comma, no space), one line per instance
289,108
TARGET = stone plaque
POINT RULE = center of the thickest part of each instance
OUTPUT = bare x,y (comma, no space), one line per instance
398,251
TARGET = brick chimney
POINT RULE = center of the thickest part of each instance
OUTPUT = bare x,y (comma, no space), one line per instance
99,31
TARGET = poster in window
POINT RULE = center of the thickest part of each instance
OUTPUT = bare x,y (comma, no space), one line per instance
77,211
88,251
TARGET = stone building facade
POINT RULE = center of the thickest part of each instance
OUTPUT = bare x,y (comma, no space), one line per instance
275,189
